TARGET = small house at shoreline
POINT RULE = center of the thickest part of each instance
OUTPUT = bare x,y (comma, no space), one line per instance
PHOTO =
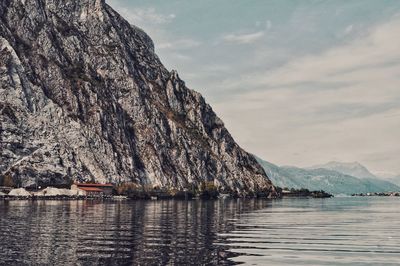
92,189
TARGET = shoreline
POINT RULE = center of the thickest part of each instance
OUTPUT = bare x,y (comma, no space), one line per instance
163,195
377,194
124,198
53,193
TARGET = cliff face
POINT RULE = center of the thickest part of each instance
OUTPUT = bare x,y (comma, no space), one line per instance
83,96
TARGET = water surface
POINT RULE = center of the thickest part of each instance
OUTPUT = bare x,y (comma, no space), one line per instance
338,231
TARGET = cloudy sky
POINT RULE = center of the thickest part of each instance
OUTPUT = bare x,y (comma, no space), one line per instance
296,82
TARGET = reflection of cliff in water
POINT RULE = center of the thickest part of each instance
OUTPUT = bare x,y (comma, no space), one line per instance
119,233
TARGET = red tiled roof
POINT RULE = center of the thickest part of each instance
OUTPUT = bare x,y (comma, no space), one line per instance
93,185
91,189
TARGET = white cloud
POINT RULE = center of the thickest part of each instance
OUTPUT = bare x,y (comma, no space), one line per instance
363,65
348,29
243,38
267,24
142,16
342,104
380,47
179,44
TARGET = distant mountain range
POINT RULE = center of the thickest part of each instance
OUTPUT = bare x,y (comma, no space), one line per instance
395,180
354,169
334,177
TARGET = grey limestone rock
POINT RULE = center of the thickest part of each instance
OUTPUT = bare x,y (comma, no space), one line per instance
83,96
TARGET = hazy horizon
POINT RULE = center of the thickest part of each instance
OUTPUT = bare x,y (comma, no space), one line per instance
296,83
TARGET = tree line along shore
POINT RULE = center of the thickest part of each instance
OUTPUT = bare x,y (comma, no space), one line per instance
206,190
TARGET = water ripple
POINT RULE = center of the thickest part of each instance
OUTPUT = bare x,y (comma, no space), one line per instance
348,231
340,231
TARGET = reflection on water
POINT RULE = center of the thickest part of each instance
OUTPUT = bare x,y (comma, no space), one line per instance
339,231
117,233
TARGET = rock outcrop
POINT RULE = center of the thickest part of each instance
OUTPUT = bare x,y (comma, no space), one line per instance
83,96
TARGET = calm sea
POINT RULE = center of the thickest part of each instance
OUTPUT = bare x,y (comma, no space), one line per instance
337,231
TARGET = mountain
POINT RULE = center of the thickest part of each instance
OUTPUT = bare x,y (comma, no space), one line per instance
395,180
388,176
354,169
323,179
84,97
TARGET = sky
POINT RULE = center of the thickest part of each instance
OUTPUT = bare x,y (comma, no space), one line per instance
295,82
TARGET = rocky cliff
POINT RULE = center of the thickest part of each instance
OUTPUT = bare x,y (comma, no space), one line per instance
83,96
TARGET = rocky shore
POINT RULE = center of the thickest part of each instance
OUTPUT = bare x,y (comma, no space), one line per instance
49,193
122,192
